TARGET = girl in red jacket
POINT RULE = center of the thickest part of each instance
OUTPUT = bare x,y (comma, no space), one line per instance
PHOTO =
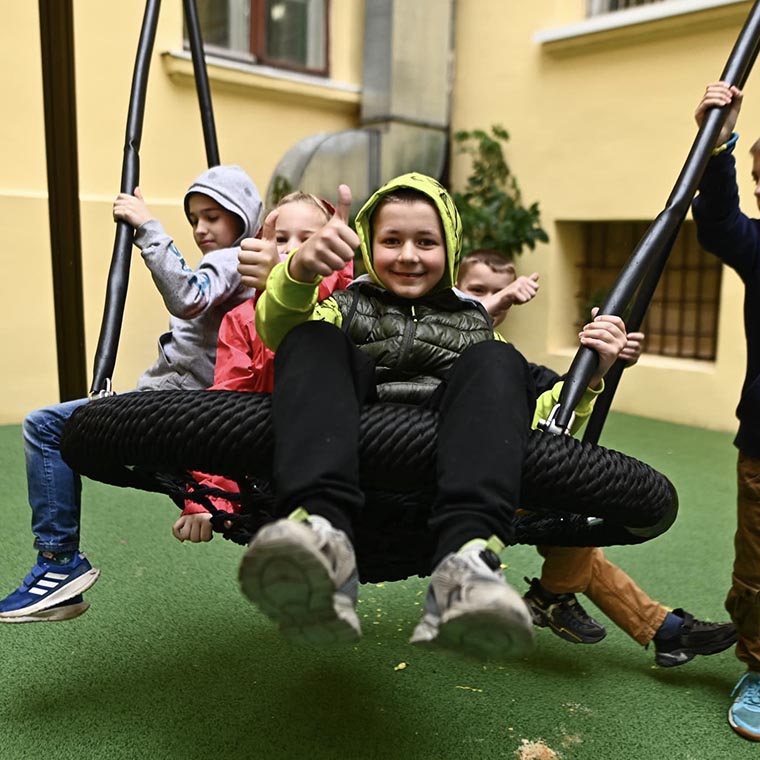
243,362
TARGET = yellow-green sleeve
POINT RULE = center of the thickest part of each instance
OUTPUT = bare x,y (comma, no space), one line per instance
548,399
286,303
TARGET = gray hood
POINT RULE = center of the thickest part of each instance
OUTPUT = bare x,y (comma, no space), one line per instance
234,191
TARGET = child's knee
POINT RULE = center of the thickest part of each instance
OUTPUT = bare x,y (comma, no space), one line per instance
497,362
38,423
743,605
312,336
493,352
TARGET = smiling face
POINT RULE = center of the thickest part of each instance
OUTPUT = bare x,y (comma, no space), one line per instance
297,221
214,227
481,280
408,247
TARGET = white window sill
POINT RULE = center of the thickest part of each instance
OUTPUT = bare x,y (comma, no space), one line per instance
265,79
699,366
669,18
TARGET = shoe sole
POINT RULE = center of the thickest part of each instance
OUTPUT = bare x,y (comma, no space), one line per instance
486,635
34,612
291,583
55,615
681,656
754,737
482,634
542,620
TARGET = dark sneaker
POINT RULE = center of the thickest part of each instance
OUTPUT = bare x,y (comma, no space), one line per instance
471,609
695,637
301,572
49,590
744,713
563,613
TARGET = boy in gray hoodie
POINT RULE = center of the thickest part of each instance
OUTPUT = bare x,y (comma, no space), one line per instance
223,207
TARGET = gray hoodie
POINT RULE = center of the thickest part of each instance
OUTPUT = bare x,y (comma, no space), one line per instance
197,298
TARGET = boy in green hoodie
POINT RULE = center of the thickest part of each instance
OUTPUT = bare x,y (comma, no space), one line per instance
400,334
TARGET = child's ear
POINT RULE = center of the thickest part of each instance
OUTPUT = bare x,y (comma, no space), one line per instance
511,269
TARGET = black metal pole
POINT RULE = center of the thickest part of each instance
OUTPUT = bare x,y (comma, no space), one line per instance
59,95
201,83
664,228
118,275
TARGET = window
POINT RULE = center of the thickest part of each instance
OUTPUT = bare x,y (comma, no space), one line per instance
289,34
597,7
682,318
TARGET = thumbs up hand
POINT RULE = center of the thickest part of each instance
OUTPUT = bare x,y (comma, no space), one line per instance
330,247
258,256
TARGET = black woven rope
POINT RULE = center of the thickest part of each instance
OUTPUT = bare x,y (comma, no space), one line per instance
129,440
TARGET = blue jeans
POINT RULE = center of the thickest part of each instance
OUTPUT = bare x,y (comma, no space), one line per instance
54,488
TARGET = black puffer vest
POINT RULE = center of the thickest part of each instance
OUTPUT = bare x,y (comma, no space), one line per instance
413,343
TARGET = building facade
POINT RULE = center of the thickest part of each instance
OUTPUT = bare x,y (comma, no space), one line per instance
598,98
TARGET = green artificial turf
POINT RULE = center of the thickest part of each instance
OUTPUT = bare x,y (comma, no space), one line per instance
172,662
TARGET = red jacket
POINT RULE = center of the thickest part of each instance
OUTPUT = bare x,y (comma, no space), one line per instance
244,363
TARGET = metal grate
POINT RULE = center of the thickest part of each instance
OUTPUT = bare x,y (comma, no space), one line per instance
682,319
598,7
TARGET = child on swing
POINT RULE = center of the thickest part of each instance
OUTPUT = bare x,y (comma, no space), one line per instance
677,635
243,362
400,333
223,207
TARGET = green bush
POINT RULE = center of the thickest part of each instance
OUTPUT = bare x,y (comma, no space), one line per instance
493,215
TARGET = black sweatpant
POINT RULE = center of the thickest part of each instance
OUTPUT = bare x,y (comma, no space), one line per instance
485,408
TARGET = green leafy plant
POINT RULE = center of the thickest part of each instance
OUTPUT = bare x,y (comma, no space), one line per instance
281,186
491,207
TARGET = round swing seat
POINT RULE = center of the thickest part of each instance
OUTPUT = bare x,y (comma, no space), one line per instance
572,493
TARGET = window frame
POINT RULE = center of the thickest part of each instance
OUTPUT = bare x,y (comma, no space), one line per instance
682,319
257,37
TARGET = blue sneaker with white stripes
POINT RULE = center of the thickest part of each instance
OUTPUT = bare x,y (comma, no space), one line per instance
50,592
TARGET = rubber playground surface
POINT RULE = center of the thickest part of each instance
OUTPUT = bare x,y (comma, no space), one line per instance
172,662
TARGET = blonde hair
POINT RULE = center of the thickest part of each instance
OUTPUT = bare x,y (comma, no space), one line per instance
300,197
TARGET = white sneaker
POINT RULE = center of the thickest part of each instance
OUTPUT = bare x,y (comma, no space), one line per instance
301,572
470,608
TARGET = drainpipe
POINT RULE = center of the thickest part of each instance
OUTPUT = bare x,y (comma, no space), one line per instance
405,107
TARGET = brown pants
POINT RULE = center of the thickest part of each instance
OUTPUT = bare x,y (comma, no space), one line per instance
585,570
743,600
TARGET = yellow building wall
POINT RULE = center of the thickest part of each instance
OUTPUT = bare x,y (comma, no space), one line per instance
600,128
258,118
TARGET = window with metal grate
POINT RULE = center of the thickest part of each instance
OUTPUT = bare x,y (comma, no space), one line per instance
682,318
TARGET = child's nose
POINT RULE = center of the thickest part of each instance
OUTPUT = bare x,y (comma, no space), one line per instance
286,246
408,251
